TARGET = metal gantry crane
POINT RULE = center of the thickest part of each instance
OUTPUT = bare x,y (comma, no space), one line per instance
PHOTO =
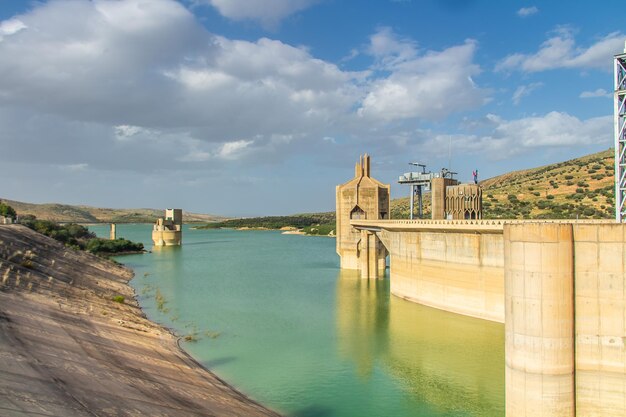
419,182
620,135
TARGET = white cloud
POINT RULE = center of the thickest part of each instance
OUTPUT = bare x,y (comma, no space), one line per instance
555,129
75,167
505,138
231,150
430,85
527,11
524,90
125,131
561,51
141,85
600,92
11,27
268,12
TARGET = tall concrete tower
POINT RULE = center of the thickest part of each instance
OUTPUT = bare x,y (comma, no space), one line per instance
361,198
620,135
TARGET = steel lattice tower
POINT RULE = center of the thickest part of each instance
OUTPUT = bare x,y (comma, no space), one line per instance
620,136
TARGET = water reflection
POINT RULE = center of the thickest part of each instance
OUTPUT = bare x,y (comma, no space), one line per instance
451,362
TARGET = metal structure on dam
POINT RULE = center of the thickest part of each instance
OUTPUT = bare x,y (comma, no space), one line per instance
558,286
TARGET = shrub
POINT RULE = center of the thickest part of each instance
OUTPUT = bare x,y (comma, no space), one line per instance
7,211
118,299
110,247
550,197
589,211
569,177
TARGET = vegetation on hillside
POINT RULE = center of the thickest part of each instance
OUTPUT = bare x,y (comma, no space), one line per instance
321,221
79,237
579,188
7,211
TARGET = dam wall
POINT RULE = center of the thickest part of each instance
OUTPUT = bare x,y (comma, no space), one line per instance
455,270
559,287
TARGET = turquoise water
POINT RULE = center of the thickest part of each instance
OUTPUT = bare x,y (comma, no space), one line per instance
274,316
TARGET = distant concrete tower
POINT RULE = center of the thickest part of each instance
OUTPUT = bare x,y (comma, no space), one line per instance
620,135
361,198
168,231
112,234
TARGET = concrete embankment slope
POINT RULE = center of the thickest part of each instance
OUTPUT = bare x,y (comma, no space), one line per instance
67,349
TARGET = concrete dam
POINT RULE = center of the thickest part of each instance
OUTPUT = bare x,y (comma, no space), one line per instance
558,286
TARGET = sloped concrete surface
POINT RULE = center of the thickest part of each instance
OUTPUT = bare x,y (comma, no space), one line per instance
67,349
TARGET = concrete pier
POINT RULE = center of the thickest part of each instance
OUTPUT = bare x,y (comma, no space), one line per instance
539,320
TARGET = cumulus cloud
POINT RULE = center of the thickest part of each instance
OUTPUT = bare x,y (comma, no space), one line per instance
600,92
140,85
268,12
10,27
524,90
561,51
505,138
527,11
429,85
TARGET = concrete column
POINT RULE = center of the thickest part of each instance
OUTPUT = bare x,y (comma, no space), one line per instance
112,234
438,198
372,256
364,254
539,320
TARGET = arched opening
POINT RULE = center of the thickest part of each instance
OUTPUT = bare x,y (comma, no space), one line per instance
357,213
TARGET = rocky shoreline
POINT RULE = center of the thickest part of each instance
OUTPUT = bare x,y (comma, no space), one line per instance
74,342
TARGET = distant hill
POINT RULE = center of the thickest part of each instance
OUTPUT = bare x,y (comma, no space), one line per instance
84,214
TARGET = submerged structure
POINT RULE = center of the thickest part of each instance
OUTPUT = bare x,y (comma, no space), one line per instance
168,230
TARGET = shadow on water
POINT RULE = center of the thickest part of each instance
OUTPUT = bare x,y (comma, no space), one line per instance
313,411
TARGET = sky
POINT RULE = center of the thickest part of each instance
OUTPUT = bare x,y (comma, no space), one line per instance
261,107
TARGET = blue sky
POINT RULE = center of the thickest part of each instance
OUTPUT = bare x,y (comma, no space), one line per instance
259,107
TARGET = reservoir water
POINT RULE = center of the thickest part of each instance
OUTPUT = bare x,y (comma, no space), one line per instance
274,316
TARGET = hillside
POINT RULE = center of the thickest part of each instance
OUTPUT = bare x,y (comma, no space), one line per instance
86,214
581,187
